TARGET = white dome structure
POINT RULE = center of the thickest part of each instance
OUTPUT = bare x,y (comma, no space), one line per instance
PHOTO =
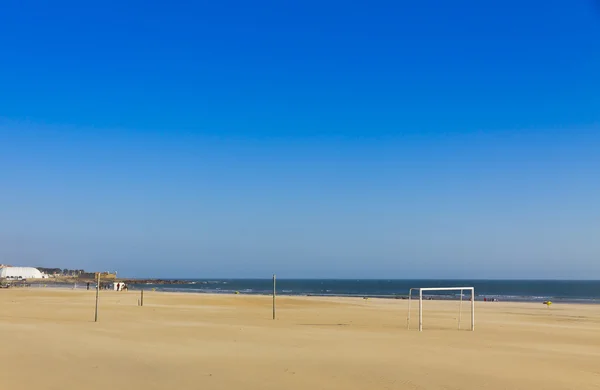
20,273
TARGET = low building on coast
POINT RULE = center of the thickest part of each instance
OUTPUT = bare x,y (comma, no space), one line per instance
20,273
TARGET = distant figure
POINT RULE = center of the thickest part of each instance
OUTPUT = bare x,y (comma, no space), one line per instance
118,286
88,285
485,299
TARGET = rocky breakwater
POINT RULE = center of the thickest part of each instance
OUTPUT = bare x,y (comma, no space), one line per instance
155,281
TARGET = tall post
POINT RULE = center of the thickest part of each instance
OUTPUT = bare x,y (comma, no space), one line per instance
97,293
460,309
472,309
142,298
274,293
408,316
420,310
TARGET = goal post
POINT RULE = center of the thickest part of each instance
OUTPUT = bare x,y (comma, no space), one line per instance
461,289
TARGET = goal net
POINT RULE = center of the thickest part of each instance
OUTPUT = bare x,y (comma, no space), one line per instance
461,289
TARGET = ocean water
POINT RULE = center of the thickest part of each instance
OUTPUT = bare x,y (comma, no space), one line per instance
507,290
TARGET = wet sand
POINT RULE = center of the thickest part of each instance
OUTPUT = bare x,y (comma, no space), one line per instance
193,341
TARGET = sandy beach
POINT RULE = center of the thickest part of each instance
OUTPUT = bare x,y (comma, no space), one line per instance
193,341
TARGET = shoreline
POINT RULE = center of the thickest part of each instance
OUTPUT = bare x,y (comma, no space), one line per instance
192,292
584,292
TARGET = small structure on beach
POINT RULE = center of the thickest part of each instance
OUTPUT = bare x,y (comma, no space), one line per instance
461,289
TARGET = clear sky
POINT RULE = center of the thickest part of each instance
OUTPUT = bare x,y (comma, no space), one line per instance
393,139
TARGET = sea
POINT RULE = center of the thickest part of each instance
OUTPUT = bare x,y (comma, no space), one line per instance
574,291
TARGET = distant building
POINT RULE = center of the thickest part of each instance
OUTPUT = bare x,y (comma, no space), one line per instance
21,273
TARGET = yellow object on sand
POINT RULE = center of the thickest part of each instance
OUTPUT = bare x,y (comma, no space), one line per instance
548,303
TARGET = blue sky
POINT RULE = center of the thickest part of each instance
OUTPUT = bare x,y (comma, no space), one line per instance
310,139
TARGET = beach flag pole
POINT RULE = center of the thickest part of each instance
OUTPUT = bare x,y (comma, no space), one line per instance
97,293
274,293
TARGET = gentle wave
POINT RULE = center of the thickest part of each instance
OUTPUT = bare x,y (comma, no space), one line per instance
502,290
307,291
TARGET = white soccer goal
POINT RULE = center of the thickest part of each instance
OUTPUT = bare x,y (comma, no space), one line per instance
461,289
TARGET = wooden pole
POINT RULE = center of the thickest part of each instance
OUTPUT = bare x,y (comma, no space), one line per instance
274,293
142,298
97,293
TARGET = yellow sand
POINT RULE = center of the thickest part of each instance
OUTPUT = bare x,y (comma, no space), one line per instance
48,340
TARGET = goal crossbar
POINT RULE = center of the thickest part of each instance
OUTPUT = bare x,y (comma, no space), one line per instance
461,289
